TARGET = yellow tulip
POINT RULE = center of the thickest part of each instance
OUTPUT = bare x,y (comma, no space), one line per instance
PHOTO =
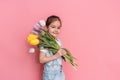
34,42
31,37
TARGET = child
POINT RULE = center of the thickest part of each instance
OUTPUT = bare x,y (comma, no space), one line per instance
52,63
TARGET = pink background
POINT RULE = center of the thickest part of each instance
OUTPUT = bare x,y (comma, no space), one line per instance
91,31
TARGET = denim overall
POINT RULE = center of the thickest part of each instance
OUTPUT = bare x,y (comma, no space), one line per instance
53,69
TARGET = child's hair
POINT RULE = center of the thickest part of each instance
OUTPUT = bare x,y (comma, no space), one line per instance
51,19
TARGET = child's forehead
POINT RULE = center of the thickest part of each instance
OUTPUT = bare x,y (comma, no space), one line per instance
56,23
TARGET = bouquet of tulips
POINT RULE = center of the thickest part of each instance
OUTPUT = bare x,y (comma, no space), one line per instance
41,38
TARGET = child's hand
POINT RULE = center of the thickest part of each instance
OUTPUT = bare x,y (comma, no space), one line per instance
61,52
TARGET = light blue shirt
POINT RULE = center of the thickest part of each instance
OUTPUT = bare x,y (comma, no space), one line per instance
53,69
54,64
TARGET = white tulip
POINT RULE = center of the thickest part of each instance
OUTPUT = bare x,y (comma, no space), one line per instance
42,22
31,50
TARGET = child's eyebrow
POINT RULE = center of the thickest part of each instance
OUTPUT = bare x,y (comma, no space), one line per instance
55,26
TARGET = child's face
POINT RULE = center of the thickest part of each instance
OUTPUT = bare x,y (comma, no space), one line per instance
54,28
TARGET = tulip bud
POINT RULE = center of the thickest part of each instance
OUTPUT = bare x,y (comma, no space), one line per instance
34,42
42,22
31,50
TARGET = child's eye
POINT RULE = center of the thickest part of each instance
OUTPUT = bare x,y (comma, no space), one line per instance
53,26
58,27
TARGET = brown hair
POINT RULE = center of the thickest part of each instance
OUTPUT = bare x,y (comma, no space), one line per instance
51,19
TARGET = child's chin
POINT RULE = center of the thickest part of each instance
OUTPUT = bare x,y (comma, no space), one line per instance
54,35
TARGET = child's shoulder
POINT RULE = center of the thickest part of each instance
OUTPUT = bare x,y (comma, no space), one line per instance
59,42
58,39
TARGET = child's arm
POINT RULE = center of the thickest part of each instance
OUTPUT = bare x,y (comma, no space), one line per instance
44,59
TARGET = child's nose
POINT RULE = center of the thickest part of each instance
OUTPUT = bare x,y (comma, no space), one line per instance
56,30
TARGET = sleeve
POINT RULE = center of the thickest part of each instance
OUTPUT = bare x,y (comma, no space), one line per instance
60,43
42,49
